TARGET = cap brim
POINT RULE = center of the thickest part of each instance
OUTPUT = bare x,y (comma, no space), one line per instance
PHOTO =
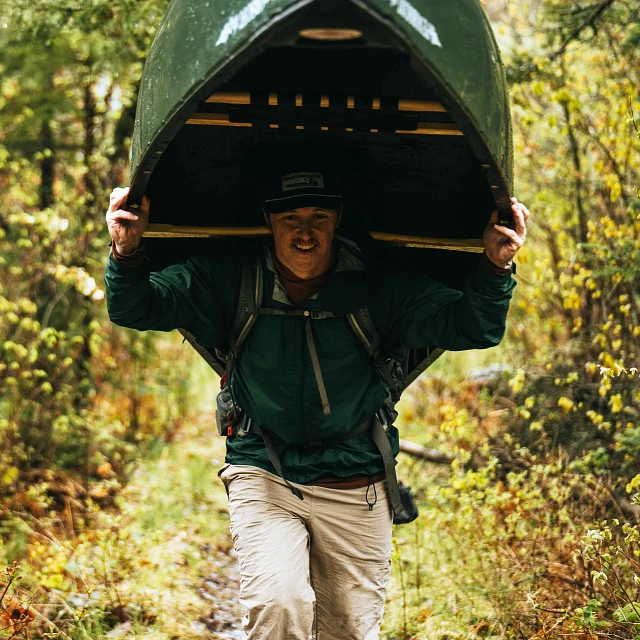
324,201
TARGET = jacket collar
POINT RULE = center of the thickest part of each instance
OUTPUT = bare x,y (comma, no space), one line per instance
349,259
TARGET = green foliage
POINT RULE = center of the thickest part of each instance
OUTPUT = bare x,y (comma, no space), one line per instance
75,394
80,400
578,165
509,543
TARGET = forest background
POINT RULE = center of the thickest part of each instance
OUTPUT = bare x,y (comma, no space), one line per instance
109,503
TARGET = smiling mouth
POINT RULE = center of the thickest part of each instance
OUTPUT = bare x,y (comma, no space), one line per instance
305,247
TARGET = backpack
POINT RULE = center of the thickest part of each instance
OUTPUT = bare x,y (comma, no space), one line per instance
391,361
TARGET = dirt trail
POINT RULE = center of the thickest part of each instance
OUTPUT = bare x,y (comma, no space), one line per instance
221,590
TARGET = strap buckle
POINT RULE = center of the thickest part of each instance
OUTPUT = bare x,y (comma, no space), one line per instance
386,417
316,314
243,426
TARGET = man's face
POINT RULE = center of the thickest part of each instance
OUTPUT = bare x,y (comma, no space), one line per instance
303,239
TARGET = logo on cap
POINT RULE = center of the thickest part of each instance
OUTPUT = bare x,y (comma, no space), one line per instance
302,180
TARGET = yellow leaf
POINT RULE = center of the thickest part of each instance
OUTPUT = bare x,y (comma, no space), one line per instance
10,475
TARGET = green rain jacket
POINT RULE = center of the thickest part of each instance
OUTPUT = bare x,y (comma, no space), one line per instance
273,380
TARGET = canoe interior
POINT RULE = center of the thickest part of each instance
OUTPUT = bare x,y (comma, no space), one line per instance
408,171
430,185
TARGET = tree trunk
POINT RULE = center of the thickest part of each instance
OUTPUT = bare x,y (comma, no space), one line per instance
89,138
587,308
47,165
47,146
575,156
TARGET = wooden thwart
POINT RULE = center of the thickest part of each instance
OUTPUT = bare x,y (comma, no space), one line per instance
470,245
404,104
424,128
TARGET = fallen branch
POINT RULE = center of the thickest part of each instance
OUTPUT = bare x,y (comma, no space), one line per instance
630,508
431,455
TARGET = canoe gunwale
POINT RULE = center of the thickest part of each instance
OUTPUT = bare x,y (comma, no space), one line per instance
159,230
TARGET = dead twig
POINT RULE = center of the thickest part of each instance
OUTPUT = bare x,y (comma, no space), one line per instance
431,455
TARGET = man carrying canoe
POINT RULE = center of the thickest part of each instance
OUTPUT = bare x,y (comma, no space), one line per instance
310,508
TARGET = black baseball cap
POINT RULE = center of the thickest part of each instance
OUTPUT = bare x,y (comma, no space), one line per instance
301,177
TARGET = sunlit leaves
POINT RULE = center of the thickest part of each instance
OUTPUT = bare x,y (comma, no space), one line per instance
68,82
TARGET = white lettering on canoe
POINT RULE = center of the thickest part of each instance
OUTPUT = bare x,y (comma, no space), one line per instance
240,20
407,11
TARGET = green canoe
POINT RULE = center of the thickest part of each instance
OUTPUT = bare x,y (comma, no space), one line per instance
415,87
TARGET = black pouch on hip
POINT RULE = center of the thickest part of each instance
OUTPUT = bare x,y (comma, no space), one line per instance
410,512
225,412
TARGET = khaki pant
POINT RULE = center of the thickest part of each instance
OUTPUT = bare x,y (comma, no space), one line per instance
314,568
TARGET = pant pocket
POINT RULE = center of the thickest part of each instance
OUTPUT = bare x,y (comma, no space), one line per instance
223,475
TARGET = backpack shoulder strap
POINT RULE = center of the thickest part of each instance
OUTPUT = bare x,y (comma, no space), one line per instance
362,324
365,329
249,301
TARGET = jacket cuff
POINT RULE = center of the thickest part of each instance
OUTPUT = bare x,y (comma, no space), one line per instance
489,267
134,259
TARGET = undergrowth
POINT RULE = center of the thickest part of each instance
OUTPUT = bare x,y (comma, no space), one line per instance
517,546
